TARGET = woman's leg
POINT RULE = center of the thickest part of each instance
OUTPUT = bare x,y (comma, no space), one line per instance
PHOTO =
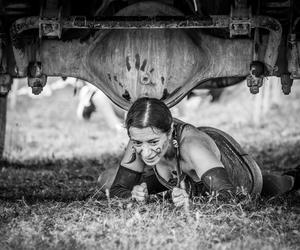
275,185
242,169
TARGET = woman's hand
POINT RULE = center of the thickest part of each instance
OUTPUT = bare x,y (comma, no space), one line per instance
140,192
180,197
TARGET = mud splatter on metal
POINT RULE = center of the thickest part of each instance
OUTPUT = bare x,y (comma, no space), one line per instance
127,63
137,61
109,76
165,94
144,65
116,80
126,95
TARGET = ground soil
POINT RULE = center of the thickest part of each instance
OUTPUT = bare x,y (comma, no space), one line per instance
52,161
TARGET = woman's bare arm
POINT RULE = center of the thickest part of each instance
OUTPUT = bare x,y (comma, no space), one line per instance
128,175
208,167
200,157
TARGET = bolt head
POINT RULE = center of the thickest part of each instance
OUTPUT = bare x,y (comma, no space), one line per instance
254,90
37,90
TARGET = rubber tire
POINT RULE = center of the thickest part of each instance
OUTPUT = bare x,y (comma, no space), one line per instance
3,111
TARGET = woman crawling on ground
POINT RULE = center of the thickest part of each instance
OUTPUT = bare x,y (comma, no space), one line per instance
166,154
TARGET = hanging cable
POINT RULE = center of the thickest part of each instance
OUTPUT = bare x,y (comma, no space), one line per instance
195,6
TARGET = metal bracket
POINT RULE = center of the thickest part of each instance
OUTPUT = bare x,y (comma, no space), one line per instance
79,21
294,58
37,84
5,84
240,21
286,83
256,76
36,79
50,27
254,83
240,27
293,61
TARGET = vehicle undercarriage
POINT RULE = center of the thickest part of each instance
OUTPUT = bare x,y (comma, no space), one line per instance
162,49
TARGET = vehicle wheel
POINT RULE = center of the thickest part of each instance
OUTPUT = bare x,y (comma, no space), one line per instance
3,105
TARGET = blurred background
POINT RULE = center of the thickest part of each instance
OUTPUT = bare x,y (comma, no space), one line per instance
72,119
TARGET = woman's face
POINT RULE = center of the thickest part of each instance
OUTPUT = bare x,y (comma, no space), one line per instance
150,143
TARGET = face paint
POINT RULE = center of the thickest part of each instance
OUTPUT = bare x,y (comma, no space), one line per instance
158,150
150,144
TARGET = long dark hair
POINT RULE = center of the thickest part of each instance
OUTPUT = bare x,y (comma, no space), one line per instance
149,112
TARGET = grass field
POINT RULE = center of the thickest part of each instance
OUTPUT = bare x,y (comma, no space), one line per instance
49,198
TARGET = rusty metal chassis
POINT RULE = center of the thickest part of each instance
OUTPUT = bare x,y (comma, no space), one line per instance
52,27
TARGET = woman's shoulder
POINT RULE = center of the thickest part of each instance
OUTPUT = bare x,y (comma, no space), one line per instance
183,127
194,139
186,131
191,136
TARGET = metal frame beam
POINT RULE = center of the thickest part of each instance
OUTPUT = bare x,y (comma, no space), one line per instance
179,22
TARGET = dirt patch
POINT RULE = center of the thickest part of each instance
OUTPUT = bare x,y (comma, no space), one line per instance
49,194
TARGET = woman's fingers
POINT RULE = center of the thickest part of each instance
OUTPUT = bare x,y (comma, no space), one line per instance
176,192
181,203
143,185
138,197
137,193
179,197
140,188
140,192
